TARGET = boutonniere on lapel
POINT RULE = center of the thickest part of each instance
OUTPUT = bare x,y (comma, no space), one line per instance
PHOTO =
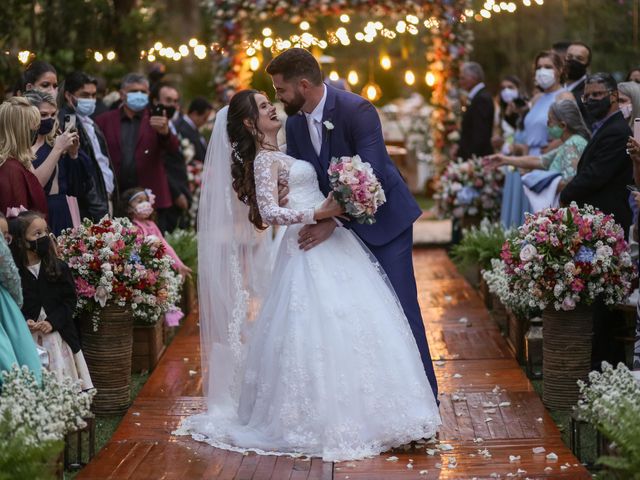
328,125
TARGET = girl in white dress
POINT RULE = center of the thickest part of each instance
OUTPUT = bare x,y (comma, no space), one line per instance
327,365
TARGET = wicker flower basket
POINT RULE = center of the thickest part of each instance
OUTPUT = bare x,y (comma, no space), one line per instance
567,342
108,355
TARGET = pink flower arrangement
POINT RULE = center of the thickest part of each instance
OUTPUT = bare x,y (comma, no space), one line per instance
561,257
112,263
470,188
356,188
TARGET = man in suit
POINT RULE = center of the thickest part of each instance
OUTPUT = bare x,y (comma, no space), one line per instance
137,142
603,172
477,121
79,98
325,122
577,61
605,168
188,126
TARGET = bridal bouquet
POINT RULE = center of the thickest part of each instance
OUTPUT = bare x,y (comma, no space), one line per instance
470,188
112,262
356,188
563,256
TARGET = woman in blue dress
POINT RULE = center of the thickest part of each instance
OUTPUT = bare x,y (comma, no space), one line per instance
548,77
16,345
59,164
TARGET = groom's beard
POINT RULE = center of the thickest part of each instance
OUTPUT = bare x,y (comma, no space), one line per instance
294,106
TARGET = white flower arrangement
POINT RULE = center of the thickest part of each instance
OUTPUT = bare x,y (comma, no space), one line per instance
42,413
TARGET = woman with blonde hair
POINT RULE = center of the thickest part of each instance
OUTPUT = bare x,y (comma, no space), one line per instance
19,187
629,100
59,164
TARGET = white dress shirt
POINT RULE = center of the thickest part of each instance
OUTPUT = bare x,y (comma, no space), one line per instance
314,122
474,91
102,159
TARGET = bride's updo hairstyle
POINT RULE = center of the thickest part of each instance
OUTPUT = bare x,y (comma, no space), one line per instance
244,141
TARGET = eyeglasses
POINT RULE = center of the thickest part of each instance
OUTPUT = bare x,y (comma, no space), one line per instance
595,95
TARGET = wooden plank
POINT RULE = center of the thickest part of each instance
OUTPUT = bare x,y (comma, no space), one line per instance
265,467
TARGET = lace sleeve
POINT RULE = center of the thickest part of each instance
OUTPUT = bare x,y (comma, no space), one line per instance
265,170
9,276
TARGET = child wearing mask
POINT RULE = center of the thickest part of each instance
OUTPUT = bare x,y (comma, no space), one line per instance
137,204
49,297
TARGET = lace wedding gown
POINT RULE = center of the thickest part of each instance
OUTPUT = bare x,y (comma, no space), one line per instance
332,368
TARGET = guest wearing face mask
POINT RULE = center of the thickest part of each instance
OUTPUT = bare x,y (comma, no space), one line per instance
79,99
605,167
58,165
577,61
138,140
629,101
548,77
512,107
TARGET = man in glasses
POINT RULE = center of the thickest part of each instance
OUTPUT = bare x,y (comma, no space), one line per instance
605,168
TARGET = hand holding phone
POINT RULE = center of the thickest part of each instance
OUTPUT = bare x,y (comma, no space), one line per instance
158,111
70,122
636,129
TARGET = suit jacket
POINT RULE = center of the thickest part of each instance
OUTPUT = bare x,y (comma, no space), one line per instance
356,130
604,171
57,297
477,126
94,202
187,131
150,151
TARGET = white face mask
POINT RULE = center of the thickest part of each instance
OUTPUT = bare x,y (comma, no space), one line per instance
627,110
545,77
509,94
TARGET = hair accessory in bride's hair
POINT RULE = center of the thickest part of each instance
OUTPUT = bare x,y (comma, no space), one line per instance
235,153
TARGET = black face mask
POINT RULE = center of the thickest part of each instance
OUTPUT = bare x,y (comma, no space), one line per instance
598,109
170,112
575,69
46,126
40,246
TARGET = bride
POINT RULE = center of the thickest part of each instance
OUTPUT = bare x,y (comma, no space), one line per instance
309,356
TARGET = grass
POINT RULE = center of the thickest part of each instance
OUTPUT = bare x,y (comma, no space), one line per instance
426,203
107,425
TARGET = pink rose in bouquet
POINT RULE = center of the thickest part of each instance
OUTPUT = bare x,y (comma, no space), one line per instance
356,188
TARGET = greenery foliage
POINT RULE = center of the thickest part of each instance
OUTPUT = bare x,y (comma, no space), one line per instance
185,243
611,402
479,245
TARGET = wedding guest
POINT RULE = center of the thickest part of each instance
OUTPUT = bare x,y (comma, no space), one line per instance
577,61
41,76
49,297
548,76
477,121
189,125
79,99
58,165
634,75
138,140
605,167
137,204
16,344
564,123
19,187
512,107
165,98
629,100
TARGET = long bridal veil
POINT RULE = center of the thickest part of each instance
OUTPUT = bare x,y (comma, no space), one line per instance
234,265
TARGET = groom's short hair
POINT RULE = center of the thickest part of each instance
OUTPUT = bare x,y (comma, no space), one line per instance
296,63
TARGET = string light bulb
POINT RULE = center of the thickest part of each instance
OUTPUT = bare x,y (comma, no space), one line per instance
430,79
409,77
333,76
371,91
385,62
352,77
254,64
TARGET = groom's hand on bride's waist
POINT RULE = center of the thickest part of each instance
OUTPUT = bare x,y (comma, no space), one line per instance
313,235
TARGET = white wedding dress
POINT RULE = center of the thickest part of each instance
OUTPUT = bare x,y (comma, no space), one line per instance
332,369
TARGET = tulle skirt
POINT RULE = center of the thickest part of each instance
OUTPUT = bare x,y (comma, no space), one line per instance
332,368
62,361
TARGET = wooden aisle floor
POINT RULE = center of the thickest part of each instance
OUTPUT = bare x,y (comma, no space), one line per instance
489,409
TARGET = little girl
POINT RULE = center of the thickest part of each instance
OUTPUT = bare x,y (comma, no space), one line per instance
137,204
49,297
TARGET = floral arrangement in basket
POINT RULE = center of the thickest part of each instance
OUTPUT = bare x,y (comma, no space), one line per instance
611,403
356,188
564,256
112,262
470,188
42,413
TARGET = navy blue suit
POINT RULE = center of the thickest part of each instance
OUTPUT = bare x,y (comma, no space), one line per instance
357,130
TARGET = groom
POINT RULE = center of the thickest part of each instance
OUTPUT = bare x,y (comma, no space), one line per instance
325,122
